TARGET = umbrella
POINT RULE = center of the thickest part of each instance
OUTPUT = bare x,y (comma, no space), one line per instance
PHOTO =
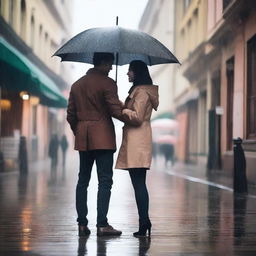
127,44
164,123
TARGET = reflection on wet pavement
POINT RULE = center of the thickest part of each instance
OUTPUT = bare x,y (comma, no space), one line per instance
189,217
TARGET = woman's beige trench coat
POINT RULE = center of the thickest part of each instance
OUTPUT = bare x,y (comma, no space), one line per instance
136,147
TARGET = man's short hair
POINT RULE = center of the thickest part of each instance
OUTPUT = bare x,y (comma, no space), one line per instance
99,57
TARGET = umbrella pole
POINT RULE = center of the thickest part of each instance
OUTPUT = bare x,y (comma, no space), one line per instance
117,52
116,65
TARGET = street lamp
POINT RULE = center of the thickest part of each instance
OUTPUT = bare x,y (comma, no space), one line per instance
5,104
24,95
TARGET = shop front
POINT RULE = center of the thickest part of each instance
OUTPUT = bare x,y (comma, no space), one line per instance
26,93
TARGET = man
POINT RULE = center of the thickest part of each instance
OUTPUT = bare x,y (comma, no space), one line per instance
93,100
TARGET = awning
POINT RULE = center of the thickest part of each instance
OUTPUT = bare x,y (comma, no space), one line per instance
19,73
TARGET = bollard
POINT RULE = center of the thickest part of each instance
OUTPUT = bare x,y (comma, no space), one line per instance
240,180
1,162
23,155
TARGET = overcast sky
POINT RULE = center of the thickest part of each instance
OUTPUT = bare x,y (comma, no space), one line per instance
99,13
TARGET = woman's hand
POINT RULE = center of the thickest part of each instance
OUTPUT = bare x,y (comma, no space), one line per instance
125,111
130,117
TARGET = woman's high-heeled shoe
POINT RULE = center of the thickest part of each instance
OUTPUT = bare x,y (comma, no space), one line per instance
143,230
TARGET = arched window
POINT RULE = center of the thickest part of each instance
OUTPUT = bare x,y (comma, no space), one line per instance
23,19
32,32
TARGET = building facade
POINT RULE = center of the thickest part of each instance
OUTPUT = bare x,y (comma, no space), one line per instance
232,55
218,62
32,84
190,91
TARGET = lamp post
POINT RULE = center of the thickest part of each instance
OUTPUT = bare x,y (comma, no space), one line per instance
1,154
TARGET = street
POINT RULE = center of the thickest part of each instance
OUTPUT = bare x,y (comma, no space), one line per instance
189,216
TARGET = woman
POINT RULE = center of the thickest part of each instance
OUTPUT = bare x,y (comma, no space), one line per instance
136,150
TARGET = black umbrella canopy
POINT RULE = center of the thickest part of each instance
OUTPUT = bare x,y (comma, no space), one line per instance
127,43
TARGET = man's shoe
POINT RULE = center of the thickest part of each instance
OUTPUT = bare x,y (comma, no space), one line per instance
83,230
108,231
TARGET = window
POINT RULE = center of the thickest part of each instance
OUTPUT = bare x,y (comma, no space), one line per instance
46,37
195,27
23,19
11,12
251,87
45,46
40,39
189,38
32,32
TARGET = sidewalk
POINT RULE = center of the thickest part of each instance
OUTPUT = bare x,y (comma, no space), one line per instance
192,172
199,173
190,215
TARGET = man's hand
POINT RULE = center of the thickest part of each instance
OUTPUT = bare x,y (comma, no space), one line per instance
122,104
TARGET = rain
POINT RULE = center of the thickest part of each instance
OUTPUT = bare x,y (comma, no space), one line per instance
201,56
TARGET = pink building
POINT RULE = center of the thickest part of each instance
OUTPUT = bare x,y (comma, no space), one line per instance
231,58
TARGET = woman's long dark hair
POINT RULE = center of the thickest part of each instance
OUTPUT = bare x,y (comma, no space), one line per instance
141,73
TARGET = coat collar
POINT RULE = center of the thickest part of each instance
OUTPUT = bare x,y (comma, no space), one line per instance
95,71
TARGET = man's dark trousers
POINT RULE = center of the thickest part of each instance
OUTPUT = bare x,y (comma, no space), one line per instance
104,164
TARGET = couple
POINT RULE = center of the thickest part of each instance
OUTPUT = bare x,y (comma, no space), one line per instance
93,100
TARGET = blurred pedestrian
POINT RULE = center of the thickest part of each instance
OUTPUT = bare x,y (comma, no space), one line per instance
167,150
23,156
64,147
93,100
53,151
135,153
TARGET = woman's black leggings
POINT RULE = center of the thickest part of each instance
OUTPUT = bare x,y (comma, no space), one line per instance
138,178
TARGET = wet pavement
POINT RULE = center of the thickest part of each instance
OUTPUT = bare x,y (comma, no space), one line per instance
191,215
